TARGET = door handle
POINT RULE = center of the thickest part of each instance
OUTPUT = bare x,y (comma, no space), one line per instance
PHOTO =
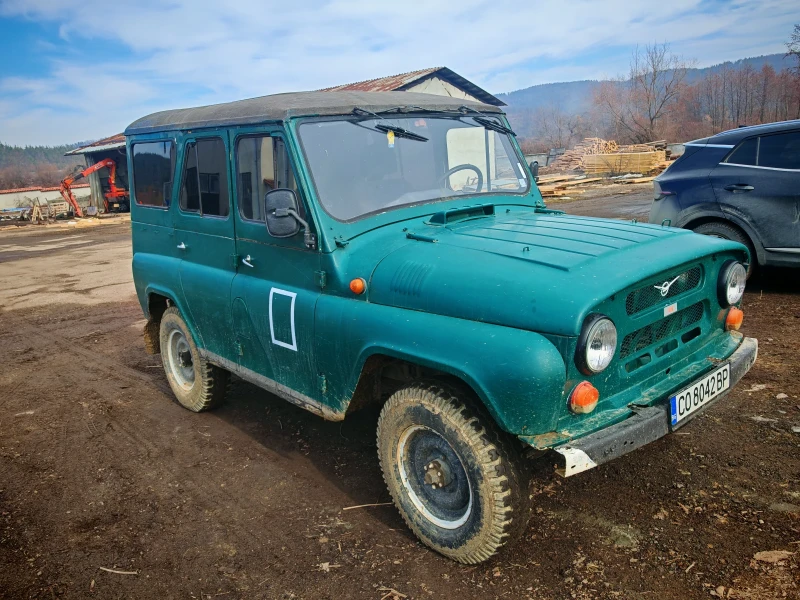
246,261
739,187
182,246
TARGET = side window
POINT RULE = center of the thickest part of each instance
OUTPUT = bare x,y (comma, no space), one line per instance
262,164
780,151
204,186
746,153
153,166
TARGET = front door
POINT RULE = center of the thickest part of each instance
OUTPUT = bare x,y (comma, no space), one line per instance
204,231
275,292
760,183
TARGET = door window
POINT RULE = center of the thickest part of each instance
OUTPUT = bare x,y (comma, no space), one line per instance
781,151
746,153
262,164
153,166
204,186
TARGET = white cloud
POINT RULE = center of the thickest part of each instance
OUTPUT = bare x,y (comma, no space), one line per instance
192,52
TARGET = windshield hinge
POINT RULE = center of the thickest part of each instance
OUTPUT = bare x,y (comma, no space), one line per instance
322,279
340,242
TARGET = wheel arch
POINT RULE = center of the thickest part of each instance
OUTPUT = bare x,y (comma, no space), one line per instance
731,221
158,299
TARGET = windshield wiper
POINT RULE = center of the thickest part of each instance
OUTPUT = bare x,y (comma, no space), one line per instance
400,132
487,121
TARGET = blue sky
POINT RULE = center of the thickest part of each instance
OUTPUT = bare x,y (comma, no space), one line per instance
75,70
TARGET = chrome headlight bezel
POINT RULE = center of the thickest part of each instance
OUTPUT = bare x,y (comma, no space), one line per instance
731,283
597,344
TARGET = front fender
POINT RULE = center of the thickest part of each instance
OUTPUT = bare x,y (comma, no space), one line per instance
519,375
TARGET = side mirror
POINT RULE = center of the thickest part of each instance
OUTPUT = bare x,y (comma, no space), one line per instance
535,170
283,219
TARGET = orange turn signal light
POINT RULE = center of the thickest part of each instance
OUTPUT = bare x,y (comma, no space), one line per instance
734,319
584,398
358,285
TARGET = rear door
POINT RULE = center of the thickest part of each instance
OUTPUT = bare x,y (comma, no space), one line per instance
204,232
759,183
275,292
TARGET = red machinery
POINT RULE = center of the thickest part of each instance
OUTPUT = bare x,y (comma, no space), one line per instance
113,192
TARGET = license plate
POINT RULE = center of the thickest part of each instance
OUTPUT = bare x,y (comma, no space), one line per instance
699,394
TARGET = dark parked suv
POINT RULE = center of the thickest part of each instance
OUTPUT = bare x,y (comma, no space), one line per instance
742,185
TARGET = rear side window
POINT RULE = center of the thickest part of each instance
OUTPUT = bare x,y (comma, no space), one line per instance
746,153
153,166
781,151
204,185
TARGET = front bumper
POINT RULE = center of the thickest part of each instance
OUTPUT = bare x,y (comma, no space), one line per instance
646,425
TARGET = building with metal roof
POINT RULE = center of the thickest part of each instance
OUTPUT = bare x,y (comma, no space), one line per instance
440,81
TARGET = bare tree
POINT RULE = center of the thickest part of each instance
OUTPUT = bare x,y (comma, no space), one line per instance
793,46
557,128
640,103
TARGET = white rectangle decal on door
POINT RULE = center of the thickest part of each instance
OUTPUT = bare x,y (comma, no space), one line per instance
277,342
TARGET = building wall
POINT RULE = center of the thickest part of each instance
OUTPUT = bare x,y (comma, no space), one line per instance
439,87
10,200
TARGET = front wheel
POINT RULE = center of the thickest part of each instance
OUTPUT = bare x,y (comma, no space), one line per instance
453,474
197,384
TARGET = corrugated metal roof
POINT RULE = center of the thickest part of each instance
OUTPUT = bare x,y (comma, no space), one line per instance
36,188
398,83
109,143
392,83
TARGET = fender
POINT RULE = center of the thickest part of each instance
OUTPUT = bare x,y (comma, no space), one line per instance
157,271
522,394
713,212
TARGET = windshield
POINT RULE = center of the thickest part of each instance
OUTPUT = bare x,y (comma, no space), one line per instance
363,166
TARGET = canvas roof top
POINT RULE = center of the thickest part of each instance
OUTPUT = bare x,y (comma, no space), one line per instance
280,107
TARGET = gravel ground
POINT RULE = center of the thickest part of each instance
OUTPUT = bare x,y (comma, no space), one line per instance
100,469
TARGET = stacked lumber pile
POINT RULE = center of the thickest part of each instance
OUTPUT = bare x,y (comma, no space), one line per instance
553,186
571,160
596,155
624,162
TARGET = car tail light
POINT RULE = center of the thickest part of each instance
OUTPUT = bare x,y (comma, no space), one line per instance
658,193
584,398
734,319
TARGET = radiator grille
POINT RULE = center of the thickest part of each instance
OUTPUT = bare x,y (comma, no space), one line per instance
644,298
661,330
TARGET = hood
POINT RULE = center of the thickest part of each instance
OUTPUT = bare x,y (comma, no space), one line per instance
540,271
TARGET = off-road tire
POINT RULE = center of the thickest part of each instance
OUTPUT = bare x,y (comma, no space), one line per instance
500,506
210,381
733,233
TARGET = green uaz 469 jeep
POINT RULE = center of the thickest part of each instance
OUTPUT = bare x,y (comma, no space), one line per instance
342,249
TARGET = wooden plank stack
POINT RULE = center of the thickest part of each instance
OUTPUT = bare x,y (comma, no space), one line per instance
623,162
571,160
596,155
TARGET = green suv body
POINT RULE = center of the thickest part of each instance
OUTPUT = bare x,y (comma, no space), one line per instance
343,249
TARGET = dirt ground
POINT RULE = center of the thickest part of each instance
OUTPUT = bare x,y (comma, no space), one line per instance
100,469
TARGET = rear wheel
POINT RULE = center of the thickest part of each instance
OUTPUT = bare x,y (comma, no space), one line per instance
453,474
197,384
729,232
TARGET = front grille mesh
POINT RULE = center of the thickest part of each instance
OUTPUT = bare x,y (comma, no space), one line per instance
644,298
661,330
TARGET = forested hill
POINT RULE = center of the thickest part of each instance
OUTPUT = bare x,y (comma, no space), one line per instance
34,156
575,97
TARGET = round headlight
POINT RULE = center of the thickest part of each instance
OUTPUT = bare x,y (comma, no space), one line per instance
732,280
597,344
